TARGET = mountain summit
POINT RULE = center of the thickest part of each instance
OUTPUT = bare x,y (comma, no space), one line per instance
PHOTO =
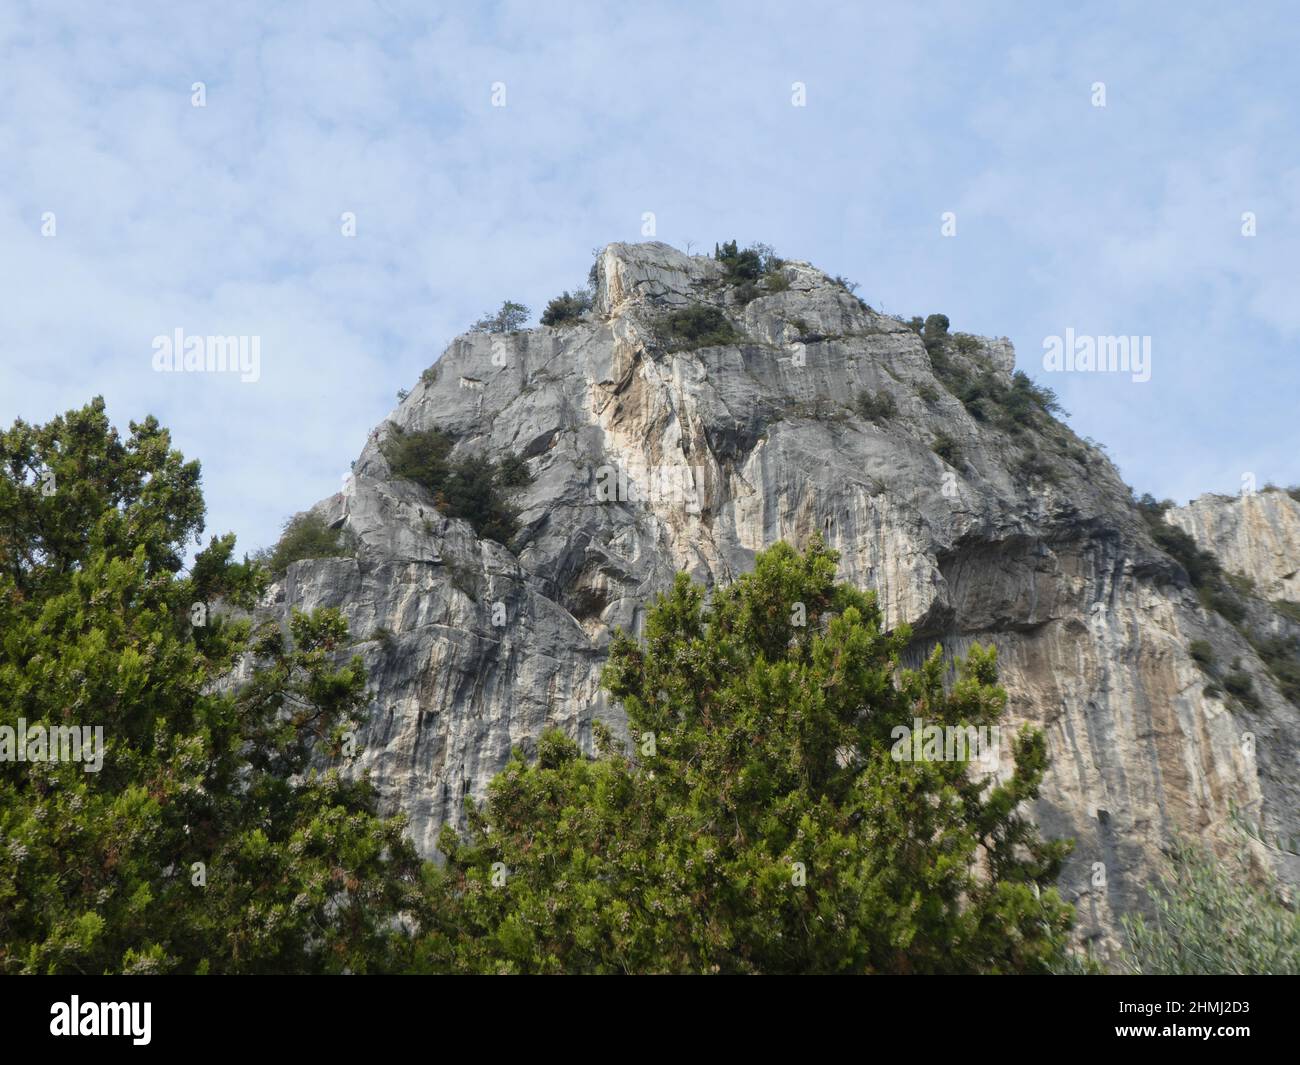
704,408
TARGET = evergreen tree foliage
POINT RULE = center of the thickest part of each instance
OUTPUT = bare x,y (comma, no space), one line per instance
472,487
510,318
567,308
218,834
759,824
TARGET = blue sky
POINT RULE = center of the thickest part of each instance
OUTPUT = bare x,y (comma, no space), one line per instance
1124,219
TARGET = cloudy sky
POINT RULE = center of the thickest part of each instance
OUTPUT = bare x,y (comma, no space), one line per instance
126,212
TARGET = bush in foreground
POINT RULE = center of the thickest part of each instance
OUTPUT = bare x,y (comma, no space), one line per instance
1211,920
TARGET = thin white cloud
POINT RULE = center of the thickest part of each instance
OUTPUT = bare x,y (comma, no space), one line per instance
226,219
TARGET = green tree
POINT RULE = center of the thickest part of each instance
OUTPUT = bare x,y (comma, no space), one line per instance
509,319
472,487
747,264
761,824
1209,919
567,308
698,326
936,329
305,535
218,834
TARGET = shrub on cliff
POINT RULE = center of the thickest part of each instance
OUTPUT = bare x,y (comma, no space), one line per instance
876,406
1202,566
747,264
1240,685
1282,656
510,318
566,309
764,821
1022,405
851,287
935,331
698,326
305,536
472,488
422,456
948,449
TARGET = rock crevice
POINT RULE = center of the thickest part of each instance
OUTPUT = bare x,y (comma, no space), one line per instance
1022,537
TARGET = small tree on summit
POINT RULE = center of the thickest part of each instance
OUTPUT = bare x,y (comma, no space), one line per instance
935,330
746,264
509,319
567,308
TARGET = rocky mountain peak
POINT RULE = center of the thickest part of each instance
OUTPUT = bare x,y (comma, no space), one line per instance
696,415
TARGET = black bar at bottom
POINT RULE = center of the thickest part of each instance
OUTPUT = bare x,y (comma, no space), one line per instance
337,1015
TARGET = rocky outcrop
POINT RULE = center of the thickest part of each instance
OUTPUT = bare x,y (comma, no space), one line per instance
1255,534
648,460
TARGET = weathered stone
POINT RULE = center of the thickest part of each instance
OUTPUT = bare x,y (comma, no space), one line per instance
760,442
1254,534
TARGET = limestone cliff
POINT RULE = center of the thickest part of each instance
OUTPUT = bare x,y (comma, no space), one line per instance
1022,536
1255,534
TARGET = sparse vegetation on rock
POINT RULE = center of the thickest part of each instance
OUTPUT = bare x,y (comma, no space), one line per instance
567,308
472,488
699,326
947,449
306,536
1014,408
1240,685
509,319
876,406
1202,653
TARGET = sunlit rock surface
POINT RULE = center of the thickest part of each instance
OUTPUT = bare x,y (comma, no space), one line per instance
736,447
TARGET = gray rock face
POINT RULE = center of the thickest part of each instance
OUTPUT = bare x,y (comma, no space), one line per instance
1253,534
648,461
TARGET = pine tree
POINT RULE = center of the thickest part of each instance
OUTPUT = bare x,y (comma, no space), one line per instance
218,834
759,823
